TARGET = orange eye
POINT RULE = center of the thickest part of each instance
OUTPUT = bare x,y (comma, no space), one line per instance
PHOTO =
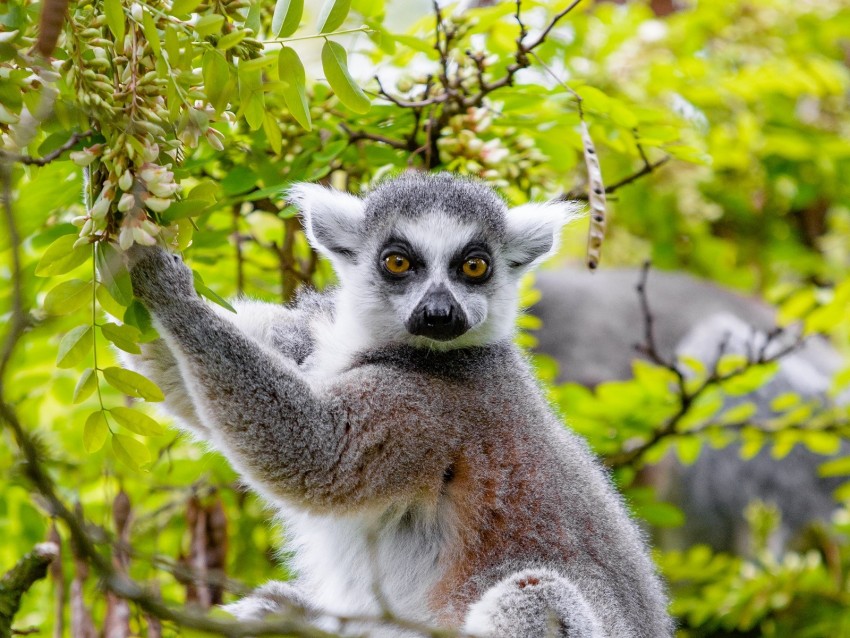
397,264
475,268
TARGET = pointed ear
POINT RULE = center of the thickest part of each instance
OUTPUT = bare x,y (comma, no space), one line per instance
534,231
333,221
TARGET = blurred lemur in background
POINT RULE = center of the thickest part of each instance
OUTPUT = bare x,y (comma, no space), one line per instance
397,430
591,324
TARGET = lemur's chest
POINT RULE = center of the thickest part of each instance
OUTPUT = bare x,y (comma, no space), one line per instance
342,559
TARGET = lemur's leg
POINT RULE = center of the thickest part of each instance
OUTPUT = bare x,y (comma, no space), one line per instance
535,603
275,597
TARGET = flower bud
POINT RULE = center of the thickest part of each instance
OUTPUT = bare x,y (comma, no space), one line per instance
143,238
82,158
125,238
125,182
157,204
100,208
162,190
127,202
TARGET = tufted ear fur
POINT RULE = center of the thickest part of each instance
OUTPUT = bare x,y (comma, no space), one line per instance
333,221
534,231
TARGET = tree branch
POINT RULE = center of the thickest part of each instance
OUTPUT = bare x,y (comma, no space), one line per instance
686,395
17,581
52,155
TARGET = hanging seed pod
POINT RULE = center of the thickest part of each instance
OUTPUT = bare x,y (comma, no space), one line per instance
50,25
596,197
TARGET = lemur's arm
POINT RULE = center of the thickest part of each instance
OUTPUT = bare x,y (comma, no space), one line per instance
281,328
329,446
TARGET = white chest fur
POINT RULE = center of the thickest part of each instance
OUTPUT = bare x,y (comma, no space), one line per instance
350,563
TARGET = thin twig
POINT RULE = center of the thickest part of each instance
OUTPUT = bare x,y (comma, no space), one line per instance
52,155
687,396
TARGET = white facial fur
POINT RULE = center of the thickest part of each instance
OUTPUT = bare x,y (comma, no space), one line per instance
373,309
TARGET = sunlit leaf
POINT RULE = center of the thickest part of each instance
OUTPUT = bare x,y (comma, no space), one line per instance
133,384
75,345
86,385
61,257
114,13
184,7
95,432
335,65
332,15
68,296
129,451
123,337
286,17
113,273
291,71
136,421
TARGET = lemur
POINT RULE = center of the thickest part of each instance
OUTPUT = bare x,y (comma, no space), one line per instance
397,431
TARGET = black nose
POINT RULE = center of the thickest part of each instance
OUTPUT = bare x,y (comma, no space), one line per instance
438,316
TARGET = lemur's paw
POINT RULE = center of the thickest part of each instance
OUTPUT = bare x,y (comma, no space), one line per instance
273,598
532,603
158,276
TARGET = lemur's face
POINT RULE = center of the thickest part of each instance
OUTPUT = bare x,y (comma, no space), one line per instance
430,261
435,280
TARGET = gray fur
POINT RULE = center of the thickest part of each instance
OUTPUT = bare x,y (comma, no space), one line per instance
430,473
591,323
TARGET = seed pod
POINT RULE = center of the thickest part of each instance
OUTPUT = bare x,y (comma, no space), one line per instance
596,197
50,25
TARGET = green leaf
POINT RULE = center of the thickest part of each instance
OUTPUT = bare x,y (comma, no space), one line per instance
113,273
335,65
183,209
291,71
417,44
67,297
61,257
738,414
151,33
785,401
333,14
95,431
136,421
75,345
836,467
114,13
272,130
201,289
287,17
687,449
85,386
730,363
823,443
124,337
209,24
132,384
129,451
251,95
172,44
252,20
184,7
231,39
138,316
660,514
107,303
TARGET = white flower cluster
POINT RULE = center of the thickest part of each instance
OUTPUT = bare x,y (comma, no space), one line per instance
141,195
